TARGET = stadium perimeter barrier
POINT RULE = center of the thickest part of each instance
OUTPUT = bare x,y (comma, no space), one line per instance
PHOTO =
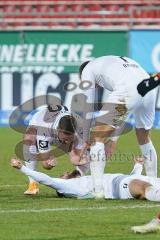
42,62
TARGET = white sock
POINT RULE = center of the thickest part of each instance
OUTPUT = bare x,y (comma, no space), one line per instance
97,165
150,162
29,153
152,194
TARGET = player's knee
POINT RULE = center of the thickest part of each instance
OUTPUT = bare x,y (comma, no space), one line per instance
100,132
143,136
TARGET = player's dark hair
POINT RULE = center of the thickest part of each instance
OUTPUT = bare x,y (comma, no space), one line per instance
56,108
67,124
82,67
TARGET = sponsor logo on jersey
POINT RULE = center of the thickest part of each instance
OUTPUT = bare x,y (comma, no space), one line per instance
43,145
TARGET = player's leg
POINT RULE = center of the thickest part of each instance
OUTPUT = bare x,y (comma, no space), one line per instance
29,153
144,190
99,135
113,115
144,118
148,151
97,165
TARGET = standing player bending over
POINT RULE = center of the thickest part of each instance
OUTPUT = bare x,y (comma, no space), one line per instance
119,75
50,126
116,186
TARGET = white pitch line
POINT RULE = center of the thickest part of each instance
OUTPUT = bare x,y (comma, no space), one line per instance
77,209
12,185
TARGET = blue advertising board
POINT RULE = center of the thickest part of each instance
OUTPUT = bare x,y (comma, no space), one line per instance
18,87
144,47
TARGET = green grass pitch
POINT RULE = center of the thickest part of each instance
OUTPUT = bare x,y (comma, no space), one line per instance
46,217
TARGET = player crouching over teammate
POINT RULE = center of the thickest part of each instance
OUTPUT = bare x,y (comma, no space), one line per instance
128,84
116,186
50,126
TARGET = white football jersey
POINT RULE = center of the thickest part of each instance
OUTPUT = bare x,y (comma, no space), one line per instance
46,123
77,187
116,186
113,72
119,75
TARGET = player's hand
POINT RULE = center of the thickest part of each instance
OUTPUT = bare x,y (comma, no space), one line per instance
16,163
50,163
110,147
139,159
78,157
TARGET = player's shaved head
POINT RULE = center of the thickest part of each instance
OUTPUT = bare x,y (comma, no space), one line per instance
82,67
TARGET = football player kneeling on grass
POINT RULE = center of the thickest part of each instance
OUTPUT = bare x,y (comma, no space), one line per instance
51,126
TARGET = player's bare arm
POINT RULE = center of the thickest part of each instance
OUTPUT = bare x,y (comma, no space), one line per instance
30,136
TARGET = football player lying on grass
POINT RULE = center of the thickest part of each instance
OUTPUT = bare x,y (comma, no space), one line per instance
116,186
